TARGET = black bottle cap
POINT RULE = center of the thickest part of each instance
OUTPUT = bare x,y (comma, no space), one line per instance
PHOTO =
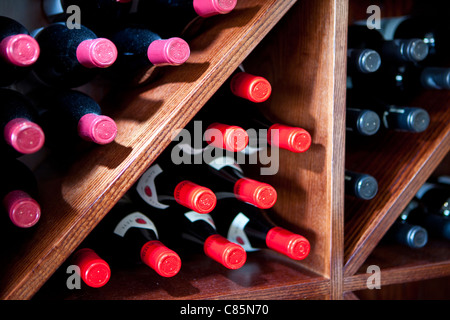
418,120
368,122
416,49
417,237
366,187
369,61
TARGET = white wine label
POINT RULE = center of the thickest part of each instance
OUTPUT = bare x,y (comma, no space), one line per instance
195,216
136,220
237,234
221,162
146,187
188,149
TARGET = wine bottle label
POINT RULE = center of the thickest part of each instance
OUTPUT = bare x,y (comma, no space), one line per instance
134,220
188,149
390,110
221,162
195,216
147,190
237,234
251,150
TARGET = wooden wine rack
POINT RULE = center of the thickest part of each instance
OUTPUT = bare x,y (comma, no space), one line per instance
300,47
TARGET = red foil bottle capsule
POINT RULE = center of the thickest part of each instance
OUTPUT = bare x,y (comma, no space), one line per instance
163,260
293,139
94,271
251,87
288,243
227,253
255,192
195,197
228,137
251,227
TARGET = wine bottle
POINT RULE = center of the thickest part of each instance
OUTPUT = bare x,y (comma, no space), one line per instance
362,61
97,15
401,83
93,270
67,115
223,175
430,29
250,227
404,232
19,121
18,51
187,229
19,193
203,133
435,214
71,57
140,48
393,117
395,50
127,235
169,18
163,187
360,185
435,197
362,121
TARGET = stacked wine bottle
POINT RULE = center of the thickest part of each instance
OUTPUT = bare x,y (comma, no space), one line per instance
426,215
388,68
45,73
196,197
45,79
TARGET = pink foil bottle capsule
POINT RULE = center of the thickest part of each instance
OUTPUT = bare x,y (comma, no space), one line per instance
173,51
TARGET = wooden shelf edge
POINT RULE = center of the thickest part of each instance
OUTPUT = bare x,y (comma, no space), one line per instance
295,291
399,275
27,273
266,275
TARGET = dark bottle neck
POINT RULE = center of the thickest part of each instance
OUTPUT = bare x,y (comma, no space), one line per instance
196,227
132,42
73,104
15,105
167,18
10,27
413,236
233,217
19,177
